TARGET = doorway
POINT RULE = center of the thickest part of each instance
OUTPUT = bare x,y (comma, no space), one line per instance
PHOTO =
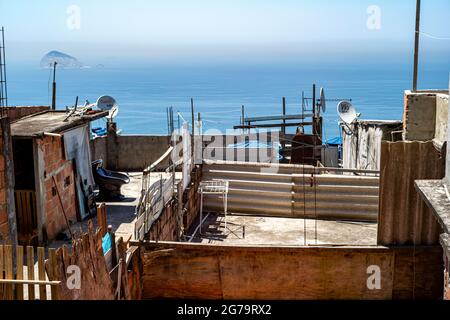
25,192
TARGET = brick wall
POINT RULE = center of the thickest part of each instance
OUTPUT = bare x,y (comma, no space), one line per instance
15,113
8,231
4,229
56,166
191,199
165,228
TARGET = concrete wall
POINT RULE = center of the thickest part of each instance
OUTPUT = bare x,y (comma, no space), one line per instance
8,224
129,152
424,116
137,152
442,103
99,151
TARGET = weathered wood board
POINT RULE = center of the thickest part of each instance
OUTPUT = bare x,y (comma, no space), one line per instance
194,271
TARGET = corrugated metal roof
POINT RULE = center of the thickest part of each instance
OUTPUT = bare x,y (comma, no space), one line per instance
404,218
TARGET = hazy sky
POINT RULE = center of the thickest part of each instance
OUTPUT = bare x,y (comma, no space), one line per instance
144,29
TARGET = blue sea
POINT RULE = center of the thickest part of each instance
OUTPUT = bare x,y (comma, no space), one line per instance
144,91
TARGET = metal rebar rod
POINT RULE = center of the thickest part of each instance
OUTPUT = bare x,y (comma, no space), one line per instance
416,47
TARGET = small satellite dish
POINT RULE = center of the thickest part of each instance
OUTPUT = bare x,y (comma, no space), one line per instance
106,103
323,103
347,112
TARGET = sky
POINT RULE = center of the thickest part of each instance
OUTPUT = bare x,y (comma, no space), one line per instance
255,30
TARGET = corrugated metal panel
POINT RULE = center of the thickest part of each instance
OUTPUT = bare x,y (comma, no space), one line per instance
289,194
404,218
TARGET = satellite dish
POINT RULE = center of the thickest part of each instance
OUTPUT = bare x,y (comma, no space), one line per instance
347,112
106,103
323,103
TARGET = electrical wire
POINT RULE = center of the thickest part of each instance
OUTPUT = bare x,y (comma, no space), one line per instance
433,36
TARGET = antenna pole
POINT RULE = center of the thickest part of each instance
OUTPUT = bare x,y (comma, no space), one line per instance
284,116
314,100
193,126
3,83
54,87
416,46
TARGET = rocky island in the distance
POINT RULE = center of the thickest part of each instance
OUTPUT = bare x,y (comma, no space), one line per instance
63,60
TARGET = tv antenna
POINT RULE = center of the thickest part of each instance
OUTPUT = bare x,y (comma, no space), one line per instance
3,86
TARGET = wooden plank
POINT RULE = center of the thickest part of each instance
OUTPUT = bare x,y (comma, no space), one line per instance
101,218
228,272
26,212
41,272
22,282
9,271
19,272
19,208
30,271
54,270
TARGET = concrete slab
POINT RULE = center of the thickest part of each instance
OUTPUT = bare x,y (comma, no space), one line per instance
50,122
254,230
436,195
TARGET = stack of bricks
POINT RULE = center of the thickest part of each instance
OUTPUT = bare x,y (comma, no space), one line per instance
61,171
165,228
191,199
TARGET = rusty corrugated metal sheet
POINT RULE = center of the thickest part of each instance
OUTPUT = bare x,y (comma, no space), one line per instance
404,218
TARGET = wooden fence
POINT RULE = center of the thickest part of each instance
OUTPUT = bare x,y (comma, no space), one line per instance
22,278
199,271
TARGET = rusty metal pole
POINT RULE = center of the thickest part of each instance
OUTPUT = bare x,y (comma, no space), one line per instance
54,87
416,47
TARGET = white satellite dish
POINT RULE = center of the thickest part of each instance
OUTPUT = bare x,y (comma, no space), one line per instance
323,103
347,112
108,103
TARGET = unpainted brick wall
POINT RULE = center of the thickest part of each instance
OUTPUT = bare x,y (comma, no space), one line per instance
4,228
191,199
63,171
165,228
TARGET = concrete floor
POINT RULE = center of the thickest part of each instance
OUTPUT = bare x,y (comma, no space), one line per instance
252,230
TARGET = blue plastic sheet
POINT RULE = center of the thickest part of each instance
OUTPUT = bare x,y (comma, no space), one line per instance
106,243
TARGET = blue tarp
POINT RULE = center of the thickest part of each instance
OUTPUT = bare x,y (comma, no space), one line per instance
337,141
106,243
